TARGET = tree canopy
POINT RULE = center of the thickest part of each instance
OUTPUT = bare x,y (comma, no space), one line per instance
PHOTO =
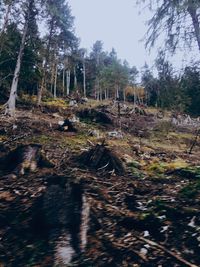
176,21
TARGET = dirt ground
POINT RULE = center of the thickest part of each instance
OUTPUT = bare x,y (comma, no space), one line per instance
149,216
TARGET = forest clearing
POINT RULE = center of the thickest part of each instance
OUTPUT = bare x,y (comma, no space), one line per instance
146,216
99,145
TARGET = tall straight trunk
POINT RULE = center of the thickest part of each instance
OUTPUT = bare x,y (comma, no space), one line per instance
75,78
105,94
98,96
63,80
10,105
135,96
52,76
43,83
55,82
68,81
84,80
124,95
195,20
101,94
116,92
97,90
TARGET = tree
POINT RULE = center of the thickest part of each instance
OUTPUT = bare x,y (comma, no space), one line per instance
98,56
29,14
150,84
167,82
178,20
82,53
8,58
59,39
190,87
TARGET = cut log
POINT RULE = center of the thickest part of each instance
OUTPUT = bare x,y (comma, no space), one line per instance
25,158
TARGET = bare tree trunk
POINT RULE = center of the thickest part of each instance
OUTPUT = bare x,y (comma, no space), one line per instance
101,94
116,93
135,96
63,80
75,78
10,105
55,82
124,95
84,79
43,83
52,76
68,81
195,20
98,89
105,94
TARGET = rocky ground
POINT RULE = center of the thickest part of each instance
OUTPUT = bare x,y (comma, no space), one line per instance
144,198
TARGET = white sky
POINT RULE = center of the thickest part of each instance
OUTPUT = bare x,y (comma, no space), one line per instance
118,24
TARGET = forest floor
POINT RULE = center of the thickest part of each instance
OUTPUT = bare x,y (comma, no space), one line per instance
147,216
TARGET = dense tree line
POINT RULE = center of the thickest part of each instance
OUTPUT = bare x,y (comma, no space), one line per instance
178,23
40,55
172,91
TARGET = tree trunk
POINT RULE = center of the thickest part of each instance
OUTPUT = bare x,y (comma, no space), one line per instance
101,94
75,78
55,82
124,95
63,80
84,80
52,76
10,105
43,83
68,81
193,13
135,96
105,94
116,93
97,90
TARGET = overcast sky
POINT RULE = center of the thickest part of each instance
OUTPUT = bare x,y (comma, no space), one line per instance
118,24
